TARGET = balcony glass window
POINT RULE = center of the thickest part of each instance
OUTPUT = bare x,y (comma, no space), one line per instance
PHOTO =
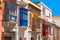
36,22
12,7
25,23
13,12
49,30
12,18
25,17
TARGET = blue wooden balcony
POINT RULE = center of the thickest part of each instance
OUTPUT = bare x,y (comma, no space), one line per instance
11,11
11,15
23,17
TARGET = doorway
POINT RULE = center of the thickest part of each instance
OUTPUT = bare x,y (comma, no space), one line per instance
7,38
32,38
38,37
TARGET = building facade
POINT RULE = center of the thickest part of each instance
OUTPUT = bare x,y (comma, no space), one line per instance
57,28
1,17
38,22
22,20
9,19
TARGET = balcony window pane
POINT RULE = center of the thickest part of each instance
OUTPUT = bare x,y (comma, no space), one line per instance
25,17
13,18
12,7
36,22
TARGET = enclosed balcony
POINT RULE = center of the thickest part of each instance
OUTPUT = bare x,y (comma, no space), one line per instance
34,8
36,22
23,17
10,14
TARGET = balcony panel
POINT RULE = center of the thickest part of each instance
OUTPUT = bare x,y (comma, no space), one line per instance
11,18
9,25
36,22
7,34
22,28
34,10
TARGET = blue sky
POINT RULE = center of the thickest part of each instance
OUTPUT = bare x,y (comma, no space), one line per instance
52,4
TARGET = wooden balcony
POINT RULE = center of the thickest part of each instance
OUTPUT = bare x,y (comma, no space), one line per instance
36,22
22,3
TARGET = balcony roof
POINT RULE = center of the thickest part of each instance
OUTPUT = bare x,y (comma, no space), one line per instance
34,5
45,6
9,24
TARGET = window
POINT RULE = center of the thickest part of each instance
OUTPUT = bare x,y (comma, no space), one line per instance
43,11
49,30
49,15
24,12
36,22
12,7
25,23
12,18
39,37
25,17
55,32
30,18
11,10
32,38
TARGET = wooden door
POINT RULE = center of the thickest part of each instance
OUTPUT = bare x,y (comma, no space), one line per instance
32,38
7,38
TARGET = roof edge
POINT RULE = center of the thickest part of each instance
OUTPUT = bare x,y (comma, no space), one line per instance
45,6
